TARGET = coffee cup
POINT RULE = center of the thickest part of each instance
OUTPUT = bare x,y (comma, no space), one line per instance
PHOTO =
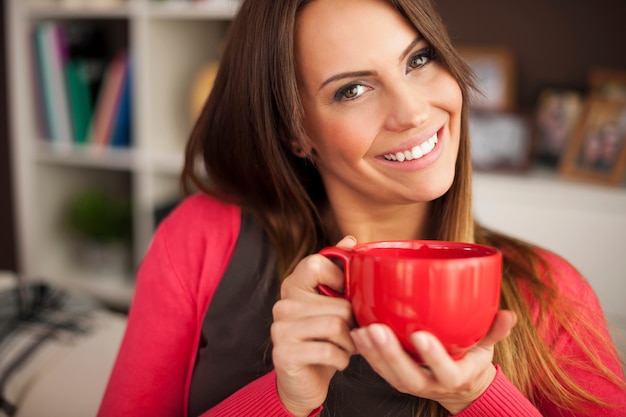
450,289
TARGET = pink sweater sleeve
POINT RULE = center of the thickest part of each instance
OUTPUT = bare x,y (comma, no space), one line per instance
502,398
259,399
175,284
572,358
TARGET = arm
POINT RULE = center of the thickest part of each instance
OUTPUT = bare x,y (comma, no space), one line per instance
175,283
502,398
151,370
259,398
571,356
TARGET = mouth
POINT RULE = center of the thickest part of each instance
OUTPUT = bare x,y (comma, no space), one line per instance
415,152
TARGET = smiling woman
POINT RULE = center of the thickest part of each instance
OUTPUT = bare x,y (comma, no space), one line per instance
362,130
360,107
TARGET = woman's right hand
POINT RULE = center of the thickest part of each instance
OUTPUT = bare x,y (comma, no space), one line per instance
310,333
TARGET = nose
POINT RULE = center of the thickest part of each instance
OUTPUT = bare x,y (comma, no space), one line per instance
405,107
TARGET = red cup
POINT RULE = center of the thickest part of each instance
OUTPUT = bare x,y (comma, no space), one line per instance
449,289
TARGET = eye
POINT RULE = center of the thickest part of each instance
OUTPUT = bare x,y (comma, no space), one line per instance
349,92
421,58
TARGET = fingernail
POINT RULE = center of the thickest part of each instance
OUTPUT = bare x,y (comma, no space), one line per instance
378,334
421,341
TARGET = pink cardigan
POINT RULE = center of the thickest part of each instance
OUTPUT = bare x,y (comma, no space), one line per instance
187,258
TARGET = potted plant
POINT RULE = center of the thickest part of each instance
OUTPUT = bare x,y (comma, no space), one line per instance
101,224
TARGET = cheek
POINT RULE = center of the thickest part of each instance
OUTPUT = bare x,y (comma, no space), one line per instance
334,135
449,94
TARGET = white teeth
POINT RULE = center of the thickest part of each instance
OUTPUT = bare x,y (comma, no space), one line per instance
414,153
417,152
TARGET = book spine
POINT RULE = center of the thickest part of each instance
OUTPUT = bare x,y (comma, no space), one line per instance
39,96
54,57
79,97
122,126
108,101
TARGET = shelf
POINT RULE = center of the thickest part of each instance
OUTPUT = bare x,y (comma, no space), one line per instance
548,189
47,175
90,10
88,157
210,9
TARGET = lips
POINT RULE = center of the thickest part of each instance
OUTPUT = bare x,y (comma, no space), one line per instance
415,152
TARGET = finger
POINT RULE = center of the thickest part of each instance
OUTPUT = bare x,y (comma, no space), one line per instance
500,328
436,358
328,329
347,242
382,350
310,272
292,309
445,368
311,353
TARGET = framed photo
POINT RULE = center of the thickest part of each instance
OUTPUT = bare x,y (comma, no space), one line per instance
608,83
557,114
500,141
495,78
598,152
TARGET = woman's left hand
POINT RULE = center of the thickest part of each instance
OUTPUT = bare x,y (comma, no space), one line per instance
453,384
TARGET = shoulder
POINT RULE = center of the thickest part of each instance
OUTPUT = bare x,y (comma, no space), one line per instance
202,211
197,239
573,303
201,220
567,281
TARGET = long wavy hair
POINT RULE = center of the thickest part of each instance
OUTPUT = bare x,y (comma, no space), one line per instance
239,151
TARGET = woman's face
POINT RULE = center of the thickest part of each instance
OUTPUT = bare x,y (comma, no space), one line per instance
381,114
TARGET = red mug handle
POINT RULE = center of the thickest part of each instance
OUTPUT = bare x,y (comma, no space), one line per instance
344,256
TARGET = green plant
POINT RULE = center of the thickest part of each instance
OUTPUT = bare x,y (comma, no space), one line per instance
100,217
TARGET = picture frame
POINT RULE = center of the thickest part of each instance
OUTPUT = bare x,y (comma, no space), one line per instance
495,76
608,83
597,152
556,117
500,141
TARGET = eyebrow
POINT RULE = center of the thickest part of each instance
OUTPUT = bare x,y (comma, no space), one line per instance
354,74
409,48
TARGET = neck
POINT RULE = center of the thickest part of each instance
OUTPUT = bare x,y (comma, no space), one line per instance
401,222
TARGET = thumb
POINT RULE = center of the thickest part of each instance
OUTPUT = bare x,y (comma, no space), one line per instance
502,324
348,242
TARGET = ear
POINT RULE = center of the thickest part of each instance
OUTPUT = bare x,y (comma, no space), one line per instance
297,149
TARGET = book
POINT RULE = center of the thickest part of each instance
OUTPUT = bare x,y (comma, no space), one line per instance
77,76
122,129
89,53
36,75
101,126
52,55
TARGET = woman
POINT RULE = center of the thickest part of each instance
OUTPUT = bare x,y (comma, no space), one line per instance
341,121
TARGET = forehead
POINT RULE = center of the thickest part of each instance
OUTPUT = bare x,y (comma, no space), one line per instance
336,32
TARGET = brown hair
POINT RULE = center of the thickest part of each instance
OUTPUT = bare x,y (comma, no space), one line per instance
242,143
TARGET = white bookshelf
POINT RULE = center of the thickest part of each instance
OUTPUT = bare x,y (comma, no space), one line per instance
170,42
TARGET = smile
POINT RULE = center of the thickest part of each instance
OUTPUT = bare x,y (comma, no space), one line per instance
415,152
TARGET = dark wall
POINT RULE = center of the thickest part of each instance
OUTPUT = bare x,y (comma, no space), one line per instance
555,42
8,259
